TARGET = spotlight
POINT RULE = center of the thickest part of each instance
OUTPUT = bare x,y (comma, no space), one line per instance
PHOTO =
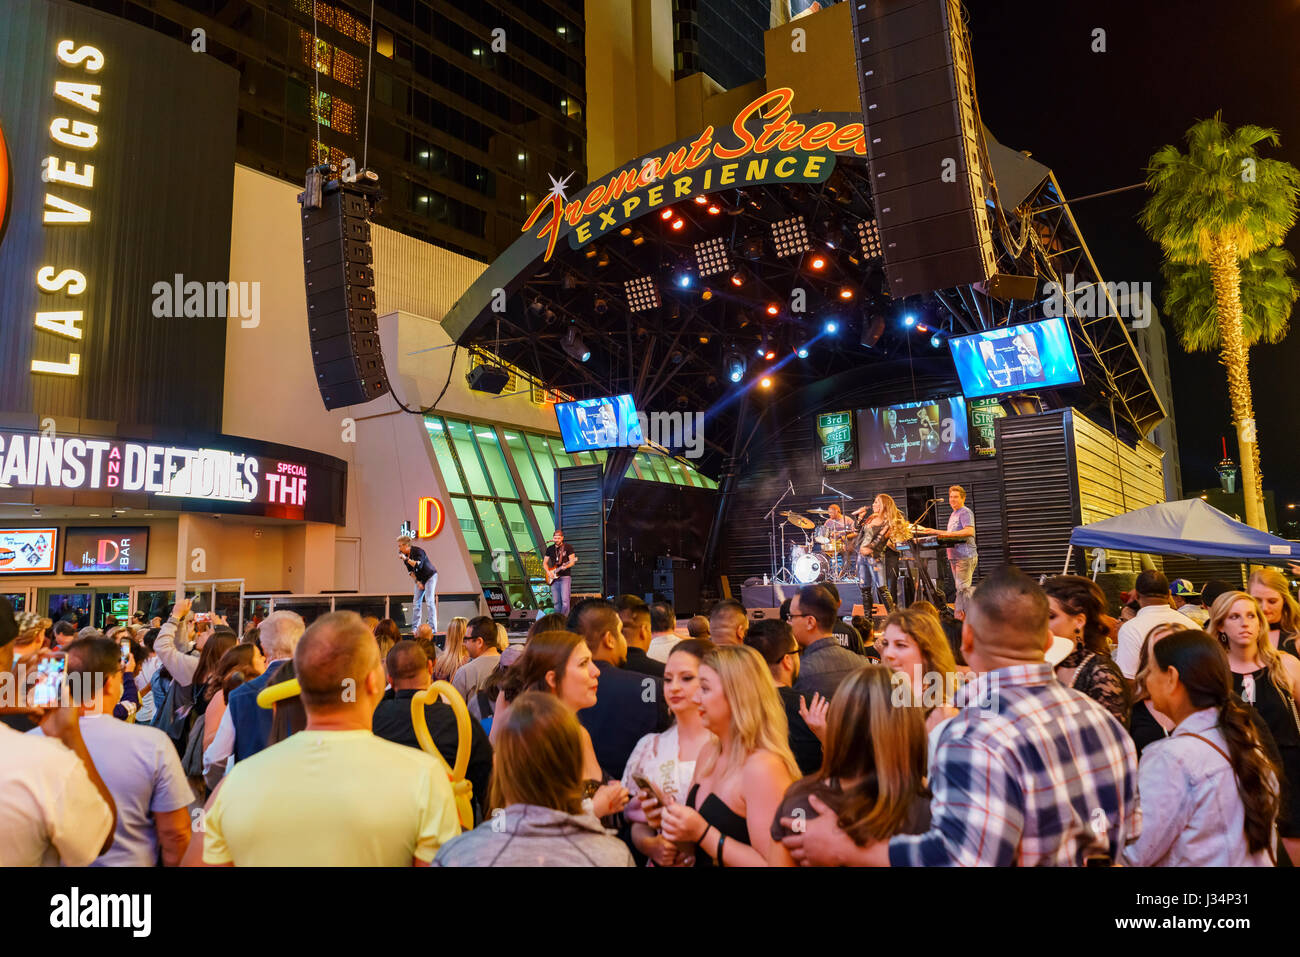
769,355
790,236
714,209
707,294
666,214
909,320
765,382
701,200
625,231
738,278
603,261
801,346
638,239
773,309
733,365
818,262
684,280
678,223
834,237
936,341
642,294
711,256
574,346
832,326
846,293
601,306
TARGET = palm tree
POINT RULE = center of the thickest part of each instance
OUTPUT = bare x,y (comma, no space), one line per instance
1214,207
1267,294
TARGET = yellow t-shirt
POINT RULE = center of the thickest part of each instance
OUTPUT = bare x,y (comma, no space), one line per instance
331,799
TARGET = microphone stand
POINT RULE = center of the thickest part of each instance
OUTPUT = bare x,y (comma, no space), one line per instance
843,556
778,567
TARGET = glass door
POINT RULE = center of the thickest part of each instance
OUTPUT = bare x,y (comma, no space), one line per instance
20,598
73,604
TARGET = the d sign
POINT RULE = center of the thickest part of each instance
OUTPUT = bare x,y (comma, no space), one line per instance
431,517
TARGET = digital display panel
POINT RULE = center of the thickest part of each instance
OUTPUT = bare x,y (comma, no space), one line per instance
607,423
915,433
105,550
27,551
1036,355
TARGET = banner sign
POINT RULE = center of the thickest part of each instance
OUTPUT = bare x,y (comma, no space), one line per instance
835,440
27,551
984,413
764,145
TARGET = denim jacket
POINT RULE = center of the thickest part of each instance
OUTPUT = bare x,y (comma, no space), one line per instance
1192,815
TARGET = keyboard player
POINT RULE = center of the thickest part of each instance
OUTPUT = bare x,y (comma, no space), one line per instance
962,556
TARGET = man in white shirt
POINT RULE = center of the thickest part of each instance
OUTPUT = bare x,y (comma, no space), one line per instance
139,766
1153,596
663,631
53,806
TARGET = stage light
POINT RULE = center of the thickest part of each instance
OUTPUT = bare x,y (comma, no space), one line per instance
936,341
773,309
684,280
601,306
625,231
738,278
832,326
638,239
711,256
765,382
733,365
573,345
834,237
714,210
642,294
846,293
701,200
818,262
603,261
666,214
869,235
707,294
909,320
801,345
790,236
769,355
678,223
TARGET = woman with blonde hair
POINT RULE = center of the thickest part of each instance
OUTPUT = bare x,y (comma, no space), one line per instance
742,774
1269,587
1270,680
453,654
877,547
916,649
873,770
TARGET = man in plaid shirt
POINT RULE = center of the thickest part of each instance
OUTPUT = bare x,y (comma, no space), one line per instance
1029,773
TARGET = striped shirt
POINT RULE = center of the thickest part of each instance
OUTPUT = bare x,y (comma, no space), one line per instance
1029,773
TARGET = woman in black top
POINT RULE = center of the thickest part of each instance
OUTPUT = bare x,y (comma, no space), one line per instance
873,774
1270,681
1269,587
1077,606
877,547
741,776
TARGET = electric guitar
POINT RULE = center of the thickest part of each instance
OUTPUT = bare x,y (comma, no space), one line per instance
554,573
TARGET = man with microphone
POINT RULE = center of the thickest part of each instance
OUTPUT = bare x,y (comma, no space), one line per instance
425,576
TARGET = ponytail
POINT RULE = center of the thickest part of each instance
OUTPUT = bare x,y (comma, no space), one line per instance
1203,670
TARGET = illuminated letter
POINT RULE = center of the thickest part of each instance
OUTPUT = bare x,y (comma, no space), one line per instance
94,60
71,212
71,367
52,173
60,323
431,517
74,133
73,280
82,94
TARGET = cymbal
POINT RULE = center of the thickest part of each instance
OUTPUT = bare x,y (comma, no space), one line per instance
818,511
799,521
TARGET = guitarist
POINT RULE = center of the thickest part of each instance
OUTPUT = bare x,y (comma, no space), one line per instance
560,558
876,547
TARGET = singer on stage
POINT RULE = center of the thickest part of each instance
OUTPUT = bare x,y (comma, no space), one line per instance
876,547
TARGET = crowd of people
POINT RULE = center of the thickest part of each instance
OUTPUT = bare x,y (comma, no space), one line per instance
1022,726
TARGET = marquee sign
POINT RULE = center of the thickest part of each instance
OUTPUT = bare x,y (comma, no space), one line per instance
178,477
764,145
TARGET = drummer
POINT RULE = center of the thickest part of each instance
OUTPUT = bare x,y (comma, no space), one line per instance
837,526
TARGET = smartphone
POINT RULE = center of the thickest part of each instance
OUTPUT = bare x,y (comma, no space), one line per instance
47,690
645,785
126,652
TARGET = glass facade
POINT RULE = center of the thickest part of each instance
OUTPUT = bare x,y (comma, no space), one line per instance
501,482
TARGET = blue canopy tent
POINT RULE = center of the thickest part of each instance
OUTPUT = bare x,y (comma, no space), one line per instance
1190,527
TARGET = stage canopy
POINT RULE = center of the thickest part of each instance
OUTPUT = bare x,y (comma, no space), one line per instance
1190,527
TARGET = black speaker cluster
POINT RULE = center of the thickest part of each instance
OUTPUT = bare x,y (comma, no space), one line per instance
341,319
924,144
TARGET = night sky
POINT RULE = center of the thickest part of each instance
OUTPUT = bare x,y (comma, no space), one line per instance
1096,118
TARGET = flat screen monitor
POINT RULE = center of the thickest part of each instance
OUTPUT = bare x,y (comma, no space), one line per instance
1035,355
106,550
28,551
915,433
607,423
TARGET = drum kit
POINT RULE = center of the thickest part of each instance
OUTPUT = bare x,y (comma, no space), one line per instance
820,556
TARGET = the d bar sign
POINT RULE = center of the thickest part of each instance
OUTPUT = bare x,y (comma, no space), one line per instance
432,517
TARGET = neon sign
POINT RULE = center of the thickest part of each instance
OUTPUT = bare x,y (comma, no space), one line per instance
798,154
81,135
432,516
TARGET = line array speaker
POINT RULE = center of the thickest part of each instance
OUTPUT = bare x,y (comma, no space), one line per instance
923,144
341,319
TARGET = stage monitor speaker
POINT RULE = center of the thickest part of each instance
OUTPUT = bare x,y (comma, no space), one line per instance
487,378
680,587
1004,286
341,321
924,144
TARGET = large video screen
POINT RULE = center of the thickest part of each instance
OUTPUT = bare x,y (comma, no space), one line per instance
915,433
1036,355
27,551
105,550
599,424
